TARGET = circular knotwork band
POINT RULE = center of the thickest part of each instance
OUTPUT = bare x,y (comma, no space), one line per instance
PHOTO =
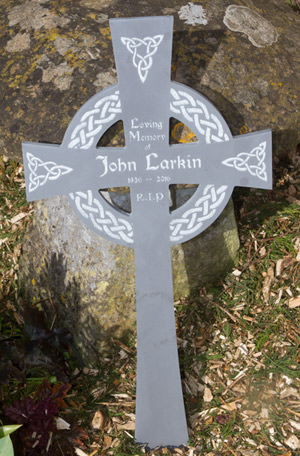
189,107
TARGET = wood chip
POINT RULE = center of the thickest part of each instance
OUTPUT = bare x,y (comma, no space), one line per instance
130,426
279,267
62,424
295,302
79,452
287,392
293,442
207,396
295,424
267,283
236,273
18,217
98,420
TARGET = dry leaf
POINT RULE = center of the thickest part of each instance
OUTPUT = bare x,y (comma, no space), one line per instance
98,420
295,302
107,441
208,420
230,407
207,397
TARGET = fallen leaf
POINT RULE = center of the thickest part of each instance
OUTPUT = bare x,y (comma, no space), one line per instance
208,421
98,420
107,442
222,419
230,407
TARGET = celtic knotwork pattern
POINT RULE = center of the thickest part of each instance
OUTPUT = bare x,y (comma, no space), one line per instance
253,162
142,62
93,121
195,111
41,171
204,209
102,220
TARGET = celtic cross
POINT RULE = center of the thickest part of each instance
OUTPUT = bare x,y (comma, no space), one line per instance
145,99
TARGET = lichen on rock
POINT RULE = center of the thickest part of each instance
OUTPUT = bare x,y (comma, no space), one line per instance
18,43
60,75
192,14
260,32
31,15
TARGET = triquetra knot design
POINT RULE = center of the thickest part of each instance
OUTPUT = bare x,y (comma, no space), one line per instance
253,162
143,62
41,171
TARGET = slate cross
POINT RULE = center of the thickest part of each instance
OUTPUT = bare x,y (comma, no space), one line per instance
145,99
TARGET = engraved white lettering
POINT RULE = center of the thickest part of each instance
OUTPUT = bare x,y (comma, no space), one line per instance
135,123
152,197
119,165
138,130
148,160
152,164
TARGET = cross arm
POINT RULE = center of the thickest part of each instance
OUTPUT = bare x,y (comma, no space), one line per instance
244,161
56,169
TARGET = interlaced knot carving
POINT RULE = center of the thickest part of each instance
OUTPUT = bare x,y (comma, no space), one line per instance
103,220
253,162
205,208
142,62
93,121
41,171
206,123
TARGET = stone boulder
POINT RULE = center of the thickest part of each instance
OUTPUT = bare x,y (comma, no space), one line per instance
91,281
54,56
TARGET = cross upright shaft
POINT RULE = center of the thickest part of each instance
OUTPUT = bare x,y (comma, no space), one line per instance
160,415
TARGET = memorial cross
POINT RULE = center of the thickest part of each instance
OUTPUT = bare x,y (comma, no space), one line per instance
145,99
